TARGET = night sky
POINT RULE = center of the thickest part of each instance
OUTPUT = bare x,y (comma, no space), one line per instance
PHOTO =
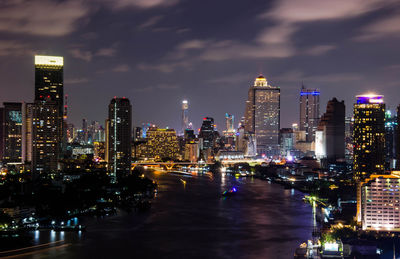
159,52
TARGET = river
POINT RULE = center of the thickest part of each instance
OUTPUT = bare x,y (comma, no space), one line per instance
192,220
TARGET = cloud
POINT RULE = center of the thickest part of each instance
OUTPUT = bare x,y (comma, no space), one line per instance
156,87
386,27
192,44
150,22
318,50
41,17
81,54
121,68
231,79
167,67
288,11
13,48
72,81
141,4
106,52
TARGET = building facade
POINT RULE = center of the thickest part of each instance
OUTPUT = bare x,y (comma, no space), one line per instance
309,112
380,202
160,144
185,116
119,137
12,132
262,116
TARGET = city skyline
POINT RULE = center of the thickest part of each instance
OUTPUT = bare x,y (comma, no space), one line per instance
184,60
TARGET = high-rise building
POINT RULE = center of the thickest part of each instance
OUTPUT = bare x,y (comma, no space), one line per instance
45,117
380,202
230,121
369,140
262,116
390,139
349,123
161,144
185,116
330,136
369,136
43,136
309,112
1,133
119,137
49,80
207,133
398,139
286,140
12,132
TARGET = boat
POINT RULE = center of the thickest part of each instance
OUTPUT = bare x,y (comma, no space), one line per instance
229,192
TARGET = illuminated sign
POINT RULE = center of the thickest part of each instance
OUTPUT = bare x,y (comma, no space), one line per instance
369,98
49,60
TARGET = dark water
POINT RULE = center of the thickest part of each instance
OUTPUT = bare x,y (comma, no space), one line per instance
192,220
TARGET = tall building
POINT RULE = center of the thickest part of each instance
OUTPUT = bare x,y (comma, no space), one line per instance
262,116
45,117
380,202
230,121
185,116
12,132
330,136
309,112
286,140
398,139
369,136
49,81
161,144
119,137
43,136
207,133
390,139
369,140
1,133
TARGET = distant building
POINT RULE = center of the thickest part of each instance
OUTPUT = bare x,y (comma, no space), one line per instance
330,136
286,140
99,150
309,112
390,140
380,202
119,137
207,133
161,144
369,140
12,133
262,116
192,151
1,133
349,124
185,116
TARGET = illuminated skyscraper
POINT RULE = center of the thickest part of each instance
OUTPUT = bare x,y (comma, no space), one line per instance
161,144
309,112
44,131
119,137
230,121
369,140
12,133
185,117
262,116
207,132
49,82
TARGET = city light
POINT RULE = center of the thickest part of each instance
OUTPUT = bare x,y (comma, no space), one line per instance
49,60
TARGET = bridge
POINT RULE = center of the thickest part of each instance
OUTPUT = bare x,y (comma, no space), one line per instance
169,165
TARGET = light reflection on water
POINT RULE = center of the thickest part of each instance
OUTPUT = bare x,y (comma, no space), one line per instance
261,220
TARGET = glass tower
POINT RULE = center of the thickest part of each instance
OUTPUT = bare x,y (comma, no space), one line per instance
262,116
309,112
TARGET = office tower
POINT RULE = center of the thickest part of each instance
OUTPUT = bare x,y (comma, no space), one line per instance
45,124
309,112
189,135
390,139
161,144
286,141
369,136
398,139
84,131
349,123
230,121
12,133
1,133
262,116
185,117
207,133
380,202
369,140
43,135
119,137
49,81
330,136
